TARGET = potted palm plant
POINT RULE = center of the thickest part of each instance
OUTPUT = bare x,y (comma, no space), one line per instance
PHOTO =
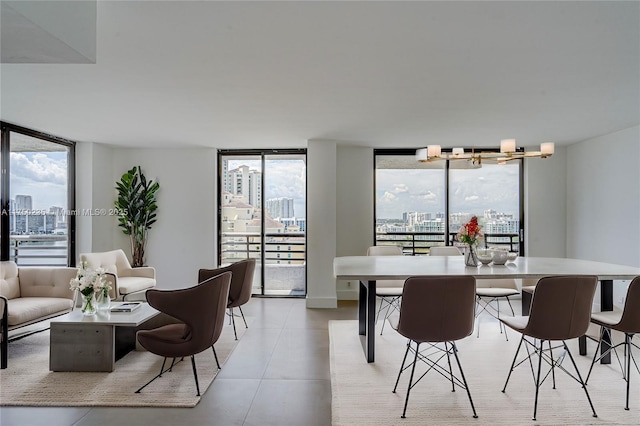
136,206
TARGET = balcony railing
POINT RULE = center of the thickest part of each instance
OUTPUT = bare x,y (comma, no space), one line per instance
284,256
420,243
38,250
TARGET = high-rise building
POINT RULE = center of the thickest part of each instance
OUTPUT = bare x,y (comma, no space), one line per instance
280,207
23,202
246,183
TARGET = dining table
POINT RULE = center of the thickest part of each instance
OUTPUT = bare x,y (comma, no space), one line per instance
369,269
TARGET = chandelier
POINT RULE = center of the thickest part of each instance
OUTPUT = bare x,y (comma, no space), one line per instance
475,158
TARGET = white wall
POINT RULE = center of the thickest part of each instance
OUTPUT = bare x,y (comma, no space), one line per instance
603,201
603,198
354,207
545,205
321,223
95,190
184,237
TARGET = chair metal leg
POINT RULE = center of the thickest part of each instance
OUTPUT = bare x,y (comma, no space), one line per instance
477,313
413,369
464,380
402,366
486,307
584,386
243,319
595,354
446,349
195,374
158,375
233,321
627,342
535,404
216,357
553,370
513,364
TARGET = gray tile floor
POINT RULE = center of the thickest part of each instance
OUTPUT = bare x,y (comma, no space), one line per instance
277,375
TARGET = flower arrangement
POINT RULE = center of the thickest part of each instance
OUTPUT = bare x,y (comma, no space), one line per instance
470,232
90,282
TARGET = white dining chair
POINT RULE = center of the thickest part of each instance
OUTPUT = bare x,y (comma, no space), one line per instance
389,291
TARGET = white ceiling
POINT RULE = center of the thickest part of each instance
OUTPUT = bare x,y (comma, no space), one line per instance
383,74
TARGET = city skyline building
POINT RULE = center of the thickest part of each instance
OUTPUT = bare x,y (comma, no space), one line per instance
280,207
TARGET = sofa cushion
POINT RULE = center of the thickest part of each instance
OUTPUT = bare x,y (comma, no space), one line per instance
9,284
46,281
26,309
128,285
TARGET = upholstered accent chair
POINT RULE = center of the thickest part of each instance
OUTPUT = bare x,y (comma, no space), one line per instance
125,280
241,284
201,311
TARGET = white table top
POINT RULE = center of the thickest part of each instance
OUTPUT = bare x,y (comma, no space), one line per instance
123,319
369,268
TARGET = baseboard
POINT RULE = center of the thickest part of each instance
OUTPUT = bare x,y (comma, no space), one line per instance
322,302
347,294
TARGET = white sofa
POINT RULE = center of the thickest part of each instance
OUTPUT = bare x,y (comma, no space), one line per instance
124,279
32,294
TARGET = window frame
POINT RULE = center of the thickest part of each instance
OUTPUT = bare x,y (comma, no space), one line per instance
411,152
5,176
262,153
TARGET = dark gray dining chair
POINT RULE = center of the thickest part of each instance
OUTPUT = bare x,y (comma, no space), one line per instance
627,322
560,310
241,284
435,312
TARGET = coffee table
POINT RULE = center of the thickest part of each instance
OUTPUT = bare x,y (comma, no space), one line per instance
95,343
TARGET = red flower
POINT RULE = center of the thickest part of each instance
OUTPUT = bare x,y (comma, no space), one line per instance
470,232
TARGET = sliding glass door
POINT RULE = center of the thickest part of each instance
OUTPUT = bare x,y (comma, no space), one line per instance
262,215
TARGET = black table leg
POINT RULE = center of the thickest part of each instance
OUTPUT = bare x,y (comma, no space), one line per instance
362,309
606,304
367,317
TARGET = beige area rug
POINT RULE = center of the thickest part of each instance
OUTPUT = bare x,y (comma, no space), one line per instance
28,381
361,392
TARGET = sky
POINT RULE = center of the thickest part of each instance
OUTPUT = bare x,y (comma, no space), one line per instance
283,178
472,191
43,175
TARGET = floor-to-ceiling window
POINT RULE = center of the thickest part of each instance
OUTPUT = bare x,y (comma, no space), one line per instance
421,205
262,215
37,227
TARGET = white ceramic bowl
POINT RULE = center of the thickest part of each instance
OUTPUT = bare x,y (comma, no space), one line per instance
499,257
485,259
511,256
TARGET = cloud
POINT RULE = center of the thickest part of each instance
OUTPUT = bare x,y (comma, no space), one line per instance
399,188
39,168
471,198
430,196
387,197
